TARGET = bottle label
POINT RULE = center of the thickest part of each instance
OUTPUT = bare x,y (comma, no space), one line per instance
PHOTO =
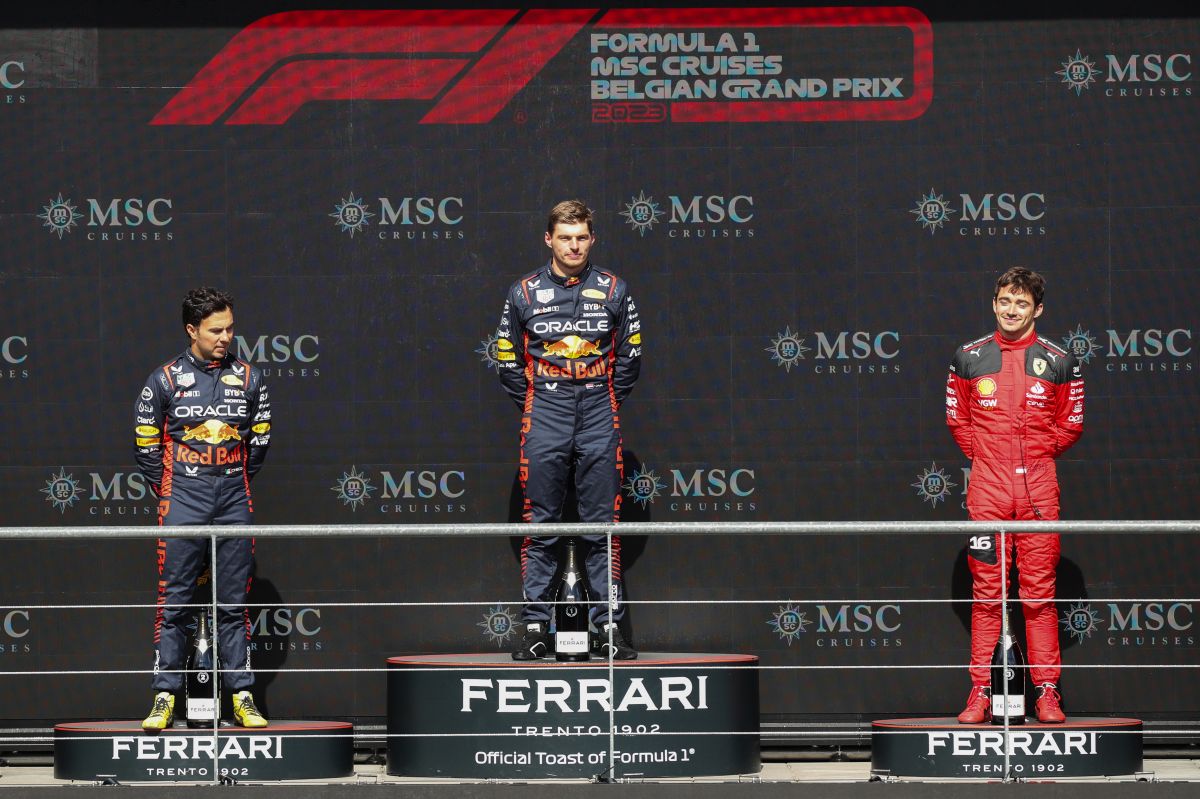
201,708
571,643
1015,705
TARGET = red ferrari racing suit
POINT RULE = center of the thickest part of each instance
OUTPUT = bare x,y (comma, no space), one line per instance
1013,407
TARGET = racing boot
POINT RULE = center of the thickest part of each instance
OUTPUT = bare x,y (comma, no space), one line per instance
245,712
1049,704
620,648
162,714
534,644
979,706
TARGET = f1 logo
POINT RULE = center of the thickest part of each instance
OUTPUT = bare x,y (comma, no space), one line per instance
473,62
285,60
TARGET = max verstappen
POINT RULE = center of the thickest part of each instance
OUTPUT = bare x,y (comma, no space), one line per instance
569,348
202,425
1014,403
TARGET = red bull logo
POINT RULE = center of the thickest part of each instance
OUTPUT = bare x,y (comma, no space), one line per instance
580,370
572,347
211,432
209,456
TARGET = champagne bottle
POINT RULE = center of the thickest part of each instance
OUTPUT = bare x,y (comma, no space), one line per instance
571,610
1008,660
203,693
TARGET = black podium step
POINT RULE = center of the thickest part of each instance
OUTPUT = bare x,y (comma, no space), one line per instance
488,717
941,747
285,750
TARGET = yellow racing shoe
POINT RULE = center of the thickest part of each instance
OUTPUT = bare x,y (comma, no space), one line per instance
245,712
162,714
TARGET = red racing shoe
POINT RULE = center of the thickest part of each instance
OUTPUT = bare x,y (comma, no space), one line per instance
979,706
1049,704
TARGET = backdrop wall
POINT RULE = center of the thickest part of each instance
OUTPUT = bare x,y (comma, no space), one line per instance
810,210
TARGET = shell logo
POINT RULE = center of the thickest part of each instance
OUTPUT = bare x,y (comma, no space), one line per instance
986,387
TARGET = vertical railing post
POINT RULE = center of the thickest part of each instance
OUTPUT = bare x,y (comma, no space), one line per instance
1004,633
611,599
216,653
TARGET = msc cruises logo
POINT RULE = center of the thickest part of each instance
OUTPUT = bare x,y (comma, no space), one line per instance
351,214
644,486
1135,624
1154,74
933,485
1080,621
353,488
1078,72
403,491
787,349
1081,344
991,213
62,490
60,216
932,211
1139,349
641,212
788,622
498,624
402,218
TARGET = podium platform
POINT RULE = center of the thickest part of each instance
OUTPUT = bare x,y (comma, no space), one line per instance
941,747
285,750
490,717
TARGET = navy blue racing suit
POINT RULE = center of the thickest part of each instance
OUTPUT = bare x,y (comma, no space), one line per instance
569,350
201,433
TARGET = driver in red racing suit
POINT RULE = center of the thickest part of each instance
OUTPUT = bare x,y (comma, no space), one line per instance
1014,403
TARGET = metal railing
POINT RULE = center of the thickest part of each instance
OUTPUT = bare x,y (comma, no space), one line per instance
623,528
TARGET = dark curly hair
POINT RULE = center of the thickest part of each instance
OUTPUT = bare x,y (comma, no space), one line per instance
201,303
